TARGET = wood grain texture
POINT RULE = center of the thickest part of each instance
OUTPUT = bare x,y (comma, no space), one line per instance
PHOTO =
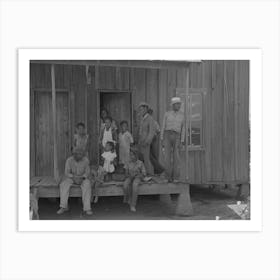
43,134
225,157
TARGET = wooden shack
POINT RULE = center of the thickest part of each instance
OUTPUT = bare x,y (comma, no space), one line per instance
216,95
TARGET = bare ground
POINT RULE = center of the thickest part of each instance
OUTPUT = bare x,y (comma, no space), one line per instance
206,204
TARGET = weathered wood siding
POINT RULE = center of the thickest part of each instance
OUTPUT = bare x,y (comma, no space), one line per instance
225,154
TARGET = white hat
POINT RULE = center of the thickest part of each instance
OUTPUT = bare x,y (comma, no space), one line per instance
175,100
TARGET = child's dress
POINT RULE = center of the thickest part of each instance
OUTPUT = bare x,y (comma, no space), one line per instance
107,136
125,140
109,157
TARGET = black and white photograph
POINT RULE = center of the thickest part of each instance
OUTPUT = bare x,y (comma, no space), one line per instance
139,139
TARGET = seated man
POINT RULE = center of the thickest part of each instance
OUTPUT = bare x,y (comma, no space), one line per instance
77,171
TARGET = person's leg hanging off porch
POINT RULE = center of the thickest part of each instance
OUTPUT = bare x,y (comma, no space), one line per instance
86,196
64,189
135,186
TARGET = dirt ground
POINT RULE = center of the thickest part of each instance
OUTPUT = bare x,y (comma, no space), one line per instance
206,205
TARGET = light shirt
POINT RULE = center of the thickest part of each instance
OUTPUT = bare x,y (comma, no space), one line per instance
109,157
107,136
136,169
77,168
81,141
174,121
125,140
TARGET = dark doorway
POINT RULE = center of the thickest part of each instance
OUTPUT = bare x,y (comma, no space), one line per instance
119,106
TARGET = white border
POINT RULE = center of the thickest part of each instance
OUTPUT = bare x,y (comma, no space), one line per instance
254,55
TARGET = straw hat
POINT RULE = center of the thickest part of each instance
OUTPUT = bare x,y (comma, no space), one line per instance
175,100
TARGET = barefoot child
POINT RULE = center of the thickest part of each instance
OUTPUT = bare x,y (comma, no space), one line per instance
135,172
107,167
125,140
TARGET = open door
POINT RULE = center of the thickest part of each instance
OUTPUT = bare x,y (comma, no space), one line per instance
118,104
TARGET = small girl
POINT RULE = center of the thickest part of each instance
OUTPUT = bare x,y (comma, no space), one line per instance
135,172
107,167
81,138
108,158
125,140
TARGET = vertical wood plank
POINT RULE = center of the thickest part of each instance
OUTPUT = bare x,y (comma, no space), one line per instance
229,127
243,121
207,83
86,99
187,124
124,78
139,96
32,134
118,77
43,134
236,134
217,122
152,89
55,163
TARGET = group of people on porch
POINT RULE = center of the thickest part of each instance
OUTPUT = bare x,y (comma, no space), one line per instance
117,150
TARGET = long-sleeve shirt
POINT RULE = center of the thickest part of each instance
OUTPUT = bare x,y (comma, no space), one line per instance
147,129
77,168
174,121
135,169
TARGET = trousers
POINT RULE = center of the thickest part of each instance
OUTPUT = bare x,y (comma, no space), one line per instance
171,142
145,152
130,186
64,189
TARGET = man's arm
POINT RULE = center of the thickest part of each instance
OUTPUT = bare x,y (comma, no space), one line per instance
87,170
163,127
183,130
151,132
68,172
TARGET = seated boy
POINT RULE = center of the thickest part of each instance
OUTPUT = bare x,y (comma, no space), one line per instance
77,171
135,173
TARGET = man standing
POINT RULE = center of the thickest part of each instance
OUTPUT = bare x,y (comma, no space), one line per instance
77,171
146,135
172,134
154,153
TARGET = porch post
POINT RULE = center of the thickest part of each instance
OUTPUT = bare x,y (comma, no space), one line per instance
55,165
187,121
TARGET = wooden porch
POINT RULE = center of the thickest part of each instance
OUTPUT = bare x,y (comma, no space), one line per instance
48,187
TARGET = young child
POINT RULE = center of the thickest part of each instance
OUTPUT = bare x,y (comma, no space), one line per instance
81,138
108,158
135,172
107,167
107,133
125,140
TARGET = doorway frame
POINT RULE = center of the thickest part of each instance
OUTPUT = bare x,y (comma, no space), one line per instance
100,91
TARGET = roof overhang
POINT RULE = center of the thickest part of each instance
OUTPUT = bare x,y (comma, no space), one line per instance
153,64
